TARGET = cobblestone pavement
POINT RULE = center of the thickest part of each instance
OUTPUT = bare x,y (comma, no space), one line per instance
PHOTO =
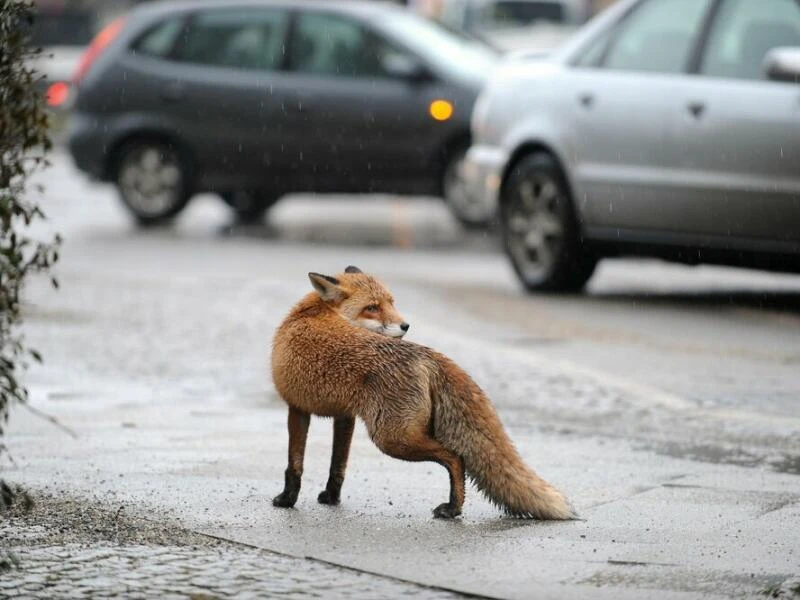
105,570
71,549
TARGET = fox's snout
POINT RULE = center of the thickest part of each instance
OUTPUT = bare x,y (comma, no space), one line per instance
394,330
385,321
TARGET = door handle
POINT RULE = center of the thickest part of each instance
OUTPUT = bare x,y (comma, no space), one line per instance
696,109
586,99
173,91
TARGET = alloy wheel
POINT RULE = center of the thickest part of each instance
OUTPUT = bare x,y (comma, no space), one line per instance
535,226
151,181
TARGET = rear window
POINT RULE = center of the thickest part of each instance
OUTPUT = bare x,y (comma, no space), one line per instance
239,39
159,40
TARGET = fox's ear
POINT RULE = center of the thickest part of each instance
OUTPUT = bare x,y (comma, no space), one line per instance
327,287
352,269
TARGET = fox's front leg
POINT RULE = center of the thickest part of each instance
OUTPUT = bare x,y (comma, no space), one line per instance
298,432
342,435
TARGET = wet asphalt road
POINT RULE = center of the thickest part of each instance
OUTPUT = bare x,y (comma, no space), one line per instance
666,400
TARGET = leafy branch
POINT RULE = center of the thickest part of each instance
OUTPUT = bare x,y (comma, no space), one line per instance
24,143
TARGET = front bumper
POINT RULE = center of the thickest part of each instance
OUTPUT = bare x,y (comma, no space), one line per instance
483,175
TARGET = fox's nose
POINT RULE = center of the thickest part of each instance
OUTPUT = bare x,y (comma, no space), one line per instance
404,326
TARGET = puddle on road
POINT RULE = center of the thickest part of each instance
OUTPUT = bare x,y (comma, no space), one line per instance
638,576
783,463
787,464
60,395
43,314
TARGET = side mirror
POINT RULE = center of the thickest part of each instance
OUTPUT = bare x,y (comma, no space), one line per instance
405,67
782,64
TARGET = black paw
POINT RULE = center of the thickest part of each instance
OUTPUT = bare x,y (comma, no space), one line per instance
446,511
284,500
328,497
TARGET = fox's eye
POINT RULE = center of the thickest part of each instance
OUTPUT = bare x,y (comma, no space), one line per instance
372,308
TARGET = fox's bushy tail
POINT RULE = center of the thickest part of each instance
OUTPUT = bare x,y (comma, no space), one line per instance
466,423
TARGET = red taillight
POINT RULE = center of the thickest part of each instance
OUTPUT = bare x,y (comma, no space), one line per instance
99,43
57,93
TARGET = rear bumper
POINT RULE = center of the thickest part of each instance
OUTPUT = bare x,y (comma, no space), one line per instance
89,145
483,174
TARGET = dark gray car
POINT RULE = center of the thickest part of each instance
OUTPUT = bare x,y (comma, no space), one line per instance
254,100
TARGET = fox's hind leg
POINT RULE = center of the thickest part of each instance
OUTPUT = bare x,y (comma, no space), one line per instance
298,432
342,435
423,448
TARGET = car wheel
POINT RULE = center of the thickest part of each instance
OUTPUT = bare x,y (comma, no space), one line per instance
464,206
540,232
250,205
153,181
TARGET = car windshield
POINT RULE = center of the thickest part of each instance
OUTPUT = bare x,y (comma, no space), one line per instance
463,56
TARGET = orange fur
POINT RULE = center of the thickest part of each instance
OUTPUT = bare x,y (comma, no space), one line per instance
416,403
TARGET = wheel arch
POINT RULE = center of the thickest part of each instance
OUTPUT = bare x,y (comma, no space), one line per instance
531,147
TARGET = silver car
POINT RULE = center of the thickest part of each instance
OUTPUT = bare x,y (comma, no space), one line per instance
666,128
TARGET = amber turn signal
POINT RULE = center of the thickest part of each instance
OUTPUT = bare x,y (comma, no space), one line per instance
441,110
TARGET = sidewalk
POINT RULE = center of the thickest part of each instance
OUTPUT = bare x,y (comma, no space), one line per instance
664,525
193,432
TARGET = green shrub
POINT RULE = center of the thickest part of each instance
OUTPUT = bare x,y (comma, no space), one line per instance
23,145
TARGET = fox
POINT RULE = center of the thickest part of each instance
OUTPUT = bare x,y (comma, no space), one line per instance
340,353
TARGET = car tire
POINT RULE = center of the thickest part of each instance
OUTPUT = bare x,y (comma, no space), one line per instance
541,234
153,180
465,207
249,205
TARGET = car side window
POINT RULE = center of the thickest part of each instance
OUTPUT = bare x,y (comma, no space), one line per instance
591,55
658,36
159,40
239,39
327,44
744,32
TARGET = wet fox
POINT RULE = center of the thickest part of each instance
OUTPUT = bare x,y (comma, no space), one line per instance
339,354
